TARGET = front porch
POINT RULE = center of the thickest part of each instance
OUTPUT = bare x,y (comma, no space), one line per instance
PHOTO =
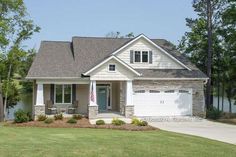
95,99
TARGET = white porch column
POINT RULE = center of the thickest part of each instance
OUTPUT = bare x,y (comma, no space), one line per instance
39,108
129,93
39,95
92,93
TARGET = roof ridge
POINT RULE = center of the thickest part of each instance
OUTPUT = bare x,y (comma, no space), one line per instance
56,41
99,37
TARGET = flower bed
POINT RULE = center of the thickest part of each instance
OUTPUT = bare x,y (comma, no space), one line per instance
81,123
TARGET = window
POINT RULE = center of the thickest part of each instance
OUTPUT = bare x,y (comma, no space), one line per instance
63,94
141,56
154,91
169,91
112,67
183,91
137,56
144,56
139,91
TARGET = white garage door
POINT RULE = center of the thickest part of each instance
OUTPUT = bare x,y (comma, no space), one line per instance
163,102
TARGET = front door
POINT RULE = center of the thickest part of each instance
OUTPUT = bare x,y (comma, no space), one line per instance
102,98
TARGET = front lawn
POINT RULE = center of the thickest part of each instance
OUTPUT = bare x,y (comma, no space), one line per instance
65,142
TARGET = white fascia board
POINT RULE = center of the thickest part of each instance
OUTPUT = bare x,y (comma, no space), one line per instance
155,45
109,58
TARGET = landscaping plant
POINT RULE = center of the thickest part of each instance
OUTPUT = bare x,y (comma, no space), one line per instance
72,121
48,120
100,122
58,116
117,121
21,116
77,116
41,117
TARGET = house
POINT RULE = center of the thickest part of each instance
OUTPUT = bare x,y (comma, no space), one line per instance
132,77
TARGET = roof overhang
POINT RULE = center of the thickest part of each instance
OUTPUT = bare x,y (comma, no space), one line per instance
108,59
152,43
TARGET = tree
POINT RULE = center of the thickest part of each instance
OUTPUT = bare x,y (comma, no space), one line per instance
15,28
202,43
118,35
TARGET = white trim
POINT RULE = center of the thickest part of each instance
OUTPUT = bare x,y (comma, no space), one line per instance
146,78
62,94
109,58
155,45
109,68
129,93
65,81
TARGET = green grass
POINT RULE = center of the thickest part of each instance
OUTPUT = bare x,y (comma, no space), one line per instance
65,142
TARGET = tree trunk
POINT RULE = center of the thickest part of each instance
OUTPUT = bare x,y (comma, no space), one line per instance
223,95
1,105
209,54
6,93
230,105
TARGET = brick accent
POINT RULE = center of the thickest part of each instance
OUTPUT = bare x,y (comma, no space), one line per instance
92,112
196,86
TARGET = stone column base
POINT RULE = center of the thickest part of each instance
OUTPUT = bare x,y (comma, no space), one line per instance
92,112
39,110
129,111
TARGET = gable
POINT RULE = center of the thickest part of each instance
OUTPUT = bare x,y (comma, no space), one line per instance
121,72
160,60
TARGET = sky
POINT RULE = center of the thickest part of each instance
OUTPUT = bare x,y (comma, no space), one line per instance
60,20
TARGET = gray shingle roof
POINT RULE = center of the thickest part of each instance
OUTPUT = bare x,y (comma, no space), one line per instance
71,59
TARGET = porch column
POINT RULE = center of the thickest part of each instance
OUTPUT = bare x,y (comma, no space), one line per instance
129,107
39,106
93,107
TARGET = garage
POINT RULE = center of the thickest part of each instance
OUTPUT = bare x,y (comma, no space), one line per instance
174,102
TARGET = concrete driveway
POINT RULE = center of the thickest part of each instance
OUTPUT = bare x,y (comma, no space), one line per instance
204,128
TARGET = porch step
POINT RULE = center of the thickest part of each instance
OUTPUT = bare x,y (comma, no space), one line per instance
108,120
173,119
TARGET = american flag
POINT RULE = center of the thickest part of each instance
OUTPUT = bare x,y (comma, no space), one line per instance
92,94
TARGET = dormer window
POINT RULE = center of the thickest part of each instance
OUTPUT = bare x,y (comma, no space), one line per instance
112,67
141,56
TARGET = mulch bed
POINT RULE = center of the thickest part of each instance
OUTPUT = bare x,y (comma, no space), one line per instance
82,123
226,120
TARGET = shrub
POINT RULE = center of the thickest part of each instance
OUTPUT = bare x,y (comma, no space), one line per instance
48,120
138,122
41,117
21,116
117,121
58,116
213,113
135,121
77,116
100,122
72,121
143,123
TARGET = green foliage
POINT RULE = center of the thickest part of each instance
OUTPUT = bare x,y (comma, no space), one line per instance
58,116
48,120
213,113
41,117
77,116
138,122
72,121
116,121
13,96
21,116
100,122
117,34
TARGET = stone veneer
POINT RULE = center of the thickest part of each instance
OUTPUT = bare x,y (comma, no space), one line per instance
92,112
129,111
39,110
198,102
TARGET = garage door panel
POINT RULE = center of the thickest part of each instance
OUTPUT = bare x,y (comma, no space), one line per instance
163,103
